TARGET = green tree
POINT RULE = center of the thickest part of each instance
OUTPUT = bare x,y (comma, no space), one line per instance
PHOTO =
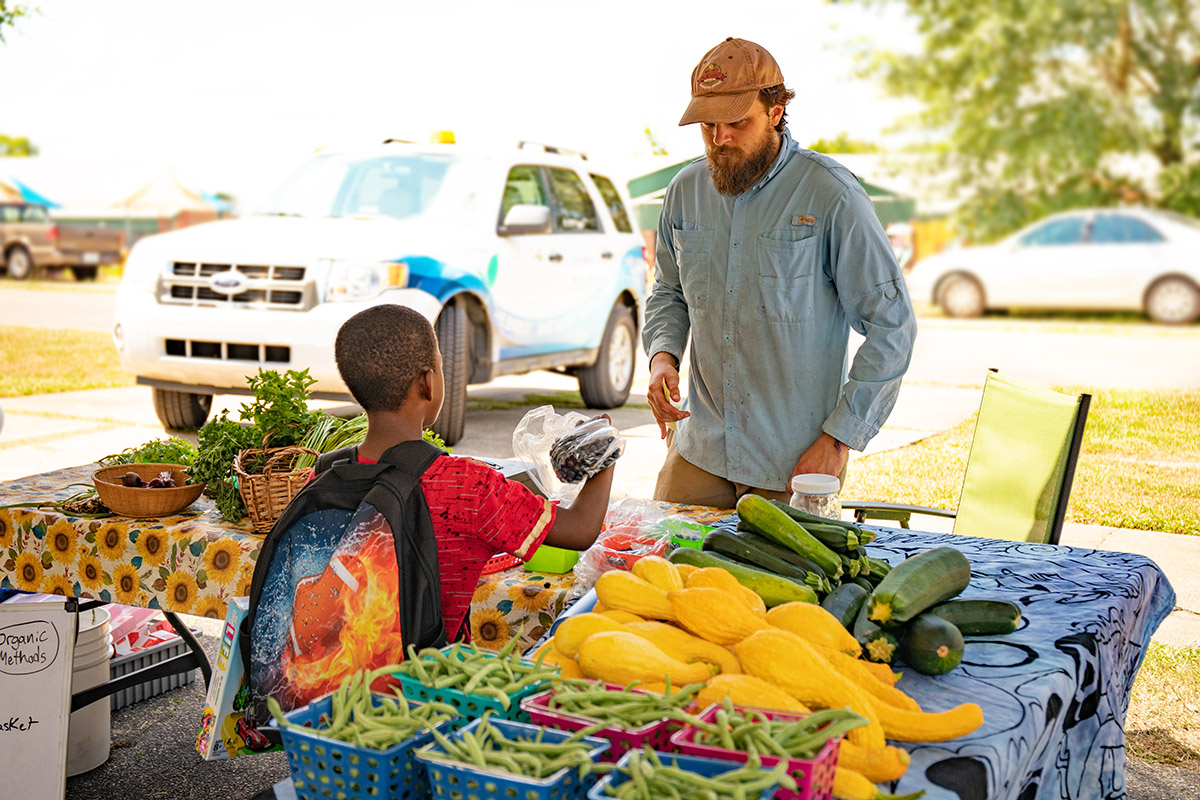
9,14
656,148
842,143
12,146
1036,102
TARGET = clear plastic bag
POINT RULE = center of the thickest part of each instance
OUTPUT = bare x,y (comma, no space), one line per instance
560,451
632,529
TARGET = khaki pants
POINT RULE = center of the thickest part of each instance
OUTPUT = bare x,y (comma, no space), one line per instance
680,481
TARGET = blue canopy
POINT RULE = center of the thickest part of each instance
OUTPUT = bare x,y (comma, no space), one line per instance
33,197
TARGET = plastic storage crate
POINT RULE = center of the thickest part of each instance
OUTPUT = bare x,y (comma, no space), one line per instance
469,706
324,768
554,560
123,665
814,777
455,780
656,735
707,767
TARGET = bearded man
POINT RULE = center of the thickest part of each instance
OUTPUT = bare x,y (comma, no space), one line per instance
767,255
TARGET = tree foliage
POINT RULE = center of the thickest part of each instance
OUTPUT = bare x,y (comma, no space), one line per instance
13,146
1041,104
842,143
10,13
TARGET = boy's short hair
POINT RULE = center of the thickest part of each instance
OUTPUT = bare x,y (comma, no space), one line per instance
380,353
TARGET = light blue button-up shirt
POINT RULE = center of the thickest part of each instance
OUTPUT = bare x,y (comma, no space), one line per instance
769,284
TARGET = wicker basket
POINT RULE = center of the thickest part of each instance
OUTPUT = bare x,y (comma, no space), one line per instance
128,501
267,494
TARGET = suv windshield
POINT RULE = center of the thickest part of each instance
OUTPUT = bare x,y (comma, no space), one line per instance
346,186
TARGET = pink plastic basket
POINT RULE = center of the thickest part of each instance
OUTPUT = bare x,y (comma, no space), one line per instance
656,735
814,777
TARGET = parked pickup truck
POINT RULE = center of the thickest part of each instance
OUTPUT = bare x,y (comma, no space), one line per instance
522,258
31,241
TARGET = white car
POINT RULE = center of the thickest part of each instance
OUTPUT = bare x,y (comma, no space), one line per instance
524,259
1118,259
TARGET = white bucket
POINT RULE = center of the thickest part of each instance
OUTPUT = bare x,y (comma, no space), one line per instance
89,736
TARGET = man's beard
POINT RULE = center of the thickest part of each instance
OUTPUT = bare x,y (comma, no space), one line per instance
732,174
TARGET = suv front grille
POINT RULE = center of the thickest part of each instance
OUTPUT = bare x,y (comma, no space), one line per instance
267,286
229,351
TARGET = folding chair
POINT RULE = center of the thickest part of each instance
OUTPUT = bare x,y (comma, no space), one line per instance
1019,472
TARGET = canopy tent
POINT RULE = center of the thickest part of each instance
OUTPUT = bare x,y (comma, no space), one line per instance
10,193
164,196
30,196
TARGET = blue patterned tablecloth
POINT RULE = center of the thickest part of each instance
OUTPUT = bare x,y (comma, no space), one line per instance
1054,693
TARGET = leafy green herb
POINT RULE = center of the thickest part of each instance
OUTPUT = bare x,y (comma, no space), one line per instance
158,451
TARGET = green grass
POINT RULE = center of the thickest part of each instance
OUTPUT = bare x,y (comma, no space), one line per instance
42,361
1139,466
1163,723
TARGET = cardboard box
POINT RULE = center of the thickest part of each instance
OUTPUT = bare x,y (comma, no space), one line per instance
224,731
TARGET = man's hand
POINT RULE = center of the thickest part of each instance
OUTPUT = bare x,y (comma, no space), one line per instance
826,456
662,368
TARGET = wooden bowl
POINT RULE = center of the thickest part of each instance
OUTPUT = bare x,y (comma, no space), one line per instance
137,502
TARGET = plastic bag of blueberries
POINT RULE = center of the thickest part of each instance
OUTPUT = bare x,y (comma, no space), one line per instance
561,451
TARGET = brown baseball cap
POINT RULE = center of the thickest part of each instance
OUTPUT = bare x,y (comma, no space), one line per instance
726,81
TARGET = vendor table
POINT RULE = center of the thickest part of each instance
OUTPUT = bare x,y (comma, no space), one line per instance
1054,693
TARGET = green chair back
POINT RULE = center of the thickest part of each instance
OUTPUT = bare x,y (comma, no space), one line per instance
1022,462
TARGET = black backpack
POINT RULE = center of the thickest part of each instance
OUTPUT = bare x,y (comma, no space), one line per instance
309,573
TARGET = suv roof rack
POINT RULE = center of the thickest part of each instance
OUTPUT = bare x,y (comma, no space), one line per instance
525,144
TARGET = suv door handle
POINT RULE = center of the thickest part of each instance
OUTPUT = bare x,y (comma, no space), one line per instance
554,257
606,255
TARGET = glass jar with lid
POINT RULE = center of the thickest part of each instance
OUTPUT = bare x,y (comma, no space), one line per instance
817,494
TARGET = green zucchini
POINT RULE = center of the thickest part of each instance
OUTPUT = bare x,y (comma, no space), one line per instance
845,602
932,645
841,537
779,551
980,617
850,566
864,582
879,568
918,583
739,549
768,520
774,590
878,644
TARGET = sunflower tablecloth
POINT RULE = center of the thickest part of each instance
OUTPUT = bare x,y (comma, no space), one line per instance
516,603
190,562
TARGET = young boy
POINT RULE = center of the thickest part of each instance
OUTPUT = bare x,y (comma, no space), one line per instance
388,357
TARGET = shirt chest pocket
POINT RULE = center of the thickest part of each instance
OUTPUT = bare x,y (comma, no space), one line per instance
693,253
787,275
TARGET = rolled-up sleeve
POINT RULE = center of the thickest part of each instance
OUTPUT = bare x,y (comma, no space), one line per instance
876,303
667,321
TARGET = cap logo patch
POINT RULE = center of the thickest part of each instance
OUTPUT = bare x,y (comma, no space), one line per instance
711,76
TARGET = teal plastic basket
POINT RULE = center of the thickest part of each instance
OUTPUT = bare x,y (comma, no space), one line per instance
329,769
454,780
469,706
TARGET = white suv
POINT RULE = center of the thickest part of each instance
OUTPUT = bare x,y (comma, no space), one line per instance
523,260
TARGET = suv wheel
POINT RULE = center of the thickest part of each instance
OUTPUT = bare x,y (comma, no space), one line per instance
181,410
454,341
606,383
20,264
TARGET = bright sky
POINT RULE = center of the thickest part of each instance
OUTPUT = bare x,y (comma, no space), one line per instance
237,94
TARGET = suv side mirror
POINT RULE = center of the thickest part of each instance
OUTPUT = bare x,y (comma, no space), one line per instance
525,218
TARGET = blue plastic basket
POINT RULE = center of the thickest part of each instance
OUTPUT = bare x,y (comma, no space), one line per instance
454,780
708,767
329,769
469,706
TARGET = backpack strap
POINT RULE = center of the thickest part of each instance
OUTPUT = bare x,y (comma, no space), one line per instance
343,455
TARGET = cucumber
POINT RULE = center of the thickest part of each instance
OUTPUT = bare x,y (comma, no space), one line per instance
745,551
775,590
919,583
932,645
980,617
844,602
778,550
840,537
768,520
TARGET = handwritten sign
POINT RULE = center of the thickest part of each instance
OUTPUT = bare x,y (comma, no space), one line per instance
37,643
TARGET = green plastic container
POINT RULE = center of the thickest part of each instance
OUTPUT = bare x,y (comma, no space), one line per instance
554,560
686,534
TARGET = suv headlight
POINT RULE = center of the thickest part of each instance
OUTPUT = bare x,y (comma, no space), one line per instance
362,280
